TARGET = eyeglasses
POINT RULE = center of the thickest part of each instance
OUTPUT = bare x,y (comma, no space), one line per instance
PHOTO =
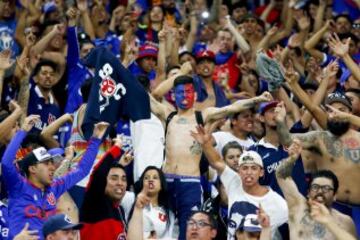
324,188
198,224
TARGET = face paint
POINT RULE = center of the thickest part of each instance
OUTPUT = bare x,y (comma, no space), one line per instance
184,96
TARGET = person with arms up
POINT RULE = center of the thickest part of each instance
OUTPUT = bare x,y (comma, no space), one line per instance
33,198
322,190
244,191
182,153
103,213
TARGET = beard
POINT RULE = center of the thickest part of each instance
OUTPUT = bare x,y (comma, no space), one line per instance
338,128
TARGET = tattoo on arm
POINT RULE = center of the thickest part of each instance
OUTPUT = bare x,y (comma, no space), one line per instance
285,169
284,134
333,145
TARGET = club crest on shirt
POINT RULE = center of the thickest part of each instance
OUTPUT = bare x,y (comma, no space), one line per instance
51,199
162,217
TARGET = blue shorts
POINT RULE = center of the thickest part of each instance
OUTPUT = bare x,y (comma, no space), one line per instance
351,210
185,193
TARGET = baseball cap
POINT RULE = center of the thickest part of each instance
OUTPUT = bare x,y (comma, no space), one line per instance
250,224
59,222
35,156
266,106
49,7
338,97
205,54
250,157
57,154
147,51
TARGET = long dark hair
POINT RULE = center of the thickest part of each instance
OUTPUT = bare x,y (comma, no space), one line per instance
163,198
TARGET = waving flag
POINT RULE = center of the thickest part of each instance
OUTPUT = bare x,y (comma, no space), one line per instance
114,92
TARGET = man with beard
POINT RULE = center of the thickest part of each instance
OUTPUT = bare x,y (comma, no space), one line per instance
322,189
209,93
273,152
182,153
33,198
336,149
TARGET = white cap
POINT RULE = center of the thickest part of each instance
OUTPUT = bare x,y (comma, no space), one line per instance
251,223
41,154
250,157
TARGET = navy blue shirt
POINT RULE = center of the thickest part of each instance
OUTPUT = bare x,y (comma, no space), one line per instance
48,112
272,158
200,88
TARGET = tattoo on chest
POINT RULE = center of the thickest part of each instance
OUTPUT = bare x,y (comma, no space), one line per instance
352,150
334,146
195,148
316,229
182,121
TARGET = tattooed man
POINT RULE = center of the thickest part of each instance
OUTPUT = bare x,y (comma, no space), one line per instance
304,219
182,152
337,149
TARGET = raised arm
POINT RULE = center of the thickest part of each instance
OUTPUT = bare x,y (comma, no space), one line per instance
284,179
204,138
319,18
212,114
135,231
43,43
5,63
86,21
320,93
292,77
314,40
343,116
190,41
73,51
307,139
342,50
168,84
8,123
239,39
85,164
159,109
47,134
11,176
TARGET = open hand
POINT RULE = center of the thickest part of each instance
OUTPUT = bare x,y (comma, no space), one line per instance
30,122
27,234
280,112
295,149
201,135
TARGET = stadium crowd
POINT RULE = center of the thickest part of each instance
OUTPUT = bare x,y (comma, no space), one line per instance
171,119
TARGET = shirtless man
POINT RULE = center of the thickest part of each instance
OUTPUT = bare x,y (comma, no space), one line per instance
337,149
183,153
323,188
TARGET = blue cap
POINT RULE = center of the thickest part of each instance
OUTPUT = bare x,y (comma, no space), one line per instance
59,222
49,7
266,106
250,223
57,154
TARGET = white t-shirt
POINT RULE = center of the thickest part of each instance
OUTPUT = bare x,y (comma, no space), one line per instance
155,219
222,138
241,204
148,143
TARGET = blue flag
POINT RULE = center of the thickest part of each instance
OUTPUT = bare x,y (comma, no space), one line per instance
115,92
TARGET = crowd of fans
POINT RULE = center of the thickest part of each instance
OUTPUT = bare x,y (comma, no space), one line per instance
252,127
